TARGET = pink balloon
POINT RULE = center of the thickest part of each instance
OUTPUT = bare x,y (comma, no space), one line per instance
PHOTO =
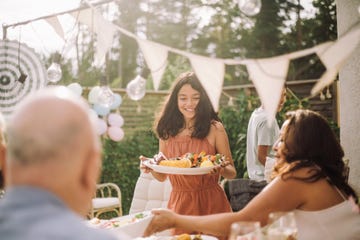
101,126
115,133
115,120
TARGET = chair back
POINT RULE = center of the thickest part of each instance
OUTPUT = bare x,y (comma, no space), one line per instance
149,193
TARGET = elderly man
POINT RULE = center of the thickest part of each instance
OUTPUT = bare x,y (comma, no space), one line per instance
53,163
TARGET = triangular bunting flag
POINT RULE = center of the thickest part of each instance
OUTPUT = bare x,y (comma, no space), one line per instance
104,30
335,56
211,75
156,58
55,24
268,76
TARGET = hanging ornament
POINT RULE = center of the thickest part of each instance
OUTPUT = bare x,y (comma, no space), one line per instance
328,94
54,72
21,72
322,96
136,87
105,96
250,7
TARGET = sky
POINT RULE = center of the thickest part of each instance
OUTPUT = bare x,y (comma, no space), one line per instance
38,34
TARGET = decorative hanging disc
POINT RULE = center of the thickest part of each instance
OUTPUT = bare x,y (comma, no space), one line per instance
21,72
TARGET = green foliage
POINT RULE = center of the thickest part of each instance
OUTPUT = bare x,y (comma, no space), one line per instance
121,162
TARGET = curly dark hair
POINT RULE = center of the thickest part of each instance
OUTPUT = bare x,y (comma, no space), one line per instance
171,121
310,142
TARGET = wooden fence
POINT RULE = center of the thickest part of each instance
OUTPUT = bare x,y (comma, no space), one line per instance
139,115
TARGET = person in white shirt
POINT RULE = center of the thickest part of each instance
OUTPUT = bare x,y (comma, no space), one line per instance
260,139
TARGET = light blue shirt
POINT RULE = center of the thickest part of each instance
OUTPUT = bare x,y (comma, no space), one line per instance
29,213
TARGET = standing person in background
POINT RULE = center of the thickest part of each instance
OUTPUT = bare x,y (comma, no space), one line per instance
188,123
2,154
260,139
52,166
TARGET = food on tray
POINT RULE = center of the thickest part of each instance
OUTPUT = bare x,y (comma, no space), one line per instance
190,160
186,236
182,163
114,223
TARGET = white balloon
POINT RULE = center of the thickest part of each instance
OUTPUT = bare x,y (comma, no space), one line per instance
115,133
115,120
101,126
94,94
75,88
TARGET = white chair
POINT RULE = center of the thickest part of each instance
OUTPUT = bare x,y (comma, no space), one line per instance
107,199
150,193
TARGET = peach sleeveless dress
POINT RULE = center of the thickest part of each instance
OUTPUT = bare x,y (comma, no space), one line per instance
194,194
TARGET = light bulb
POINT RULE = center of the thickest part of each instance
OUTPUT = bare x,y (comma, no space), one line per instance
54,73
136,88
250,7
322,96
105,97
328,94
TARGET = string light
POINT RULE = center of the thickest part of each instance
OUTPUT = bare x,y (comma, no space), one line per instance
136,87
250,7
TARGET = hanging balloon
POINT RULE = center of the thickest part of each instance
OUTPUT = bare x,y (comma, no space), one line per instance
117,101
75,88
21,72
115,120
94,94
101,126
101,110
250,7
115,133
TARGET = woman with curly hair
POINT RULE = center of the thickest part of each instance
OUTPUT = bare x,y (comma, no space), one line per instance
308,180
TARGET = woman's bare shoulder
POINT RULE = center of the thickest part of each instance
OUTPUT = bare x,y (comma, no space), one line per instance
217,126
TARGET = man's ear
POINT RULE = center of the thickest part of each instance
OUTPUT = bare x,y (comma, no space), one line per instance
91,170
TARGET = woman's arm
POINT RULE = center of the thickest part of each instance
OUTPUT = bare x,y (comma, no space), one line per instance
279,195
222,146
158,176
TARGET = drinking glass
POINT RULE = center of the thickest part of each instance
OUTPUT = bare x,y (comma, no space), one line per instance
282,226
245,230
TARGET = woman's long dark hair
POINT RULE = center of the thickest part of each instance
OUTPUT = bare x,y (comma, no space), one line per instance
171,121
310,142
